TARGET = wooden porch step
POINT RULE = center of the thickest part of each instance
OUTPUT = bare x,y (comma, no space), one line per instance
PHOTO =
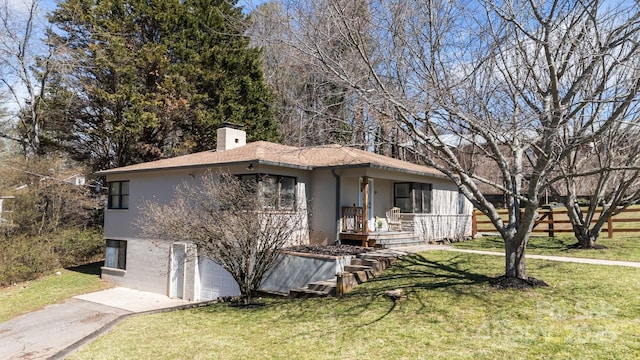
390,235
397,242
303,293
363,276
363,267
385,259
323,286
354,268
377,266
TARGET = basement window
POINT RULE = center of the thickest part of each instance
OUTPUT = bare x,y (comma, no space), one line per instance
116,254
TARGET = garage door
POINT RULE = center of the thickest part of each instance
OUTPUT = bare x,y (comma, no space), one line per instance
215,281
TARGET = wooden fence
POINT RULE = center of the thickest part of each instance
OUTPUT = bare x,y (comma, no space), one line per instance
552,221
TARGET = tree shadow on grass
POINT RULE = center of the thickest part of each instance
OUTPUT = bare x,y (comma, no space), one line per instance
88,269
413,274
548,243
367,305
429,274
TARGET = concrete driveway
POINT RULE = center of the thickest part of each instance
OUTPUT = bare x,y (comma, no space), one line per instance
59,329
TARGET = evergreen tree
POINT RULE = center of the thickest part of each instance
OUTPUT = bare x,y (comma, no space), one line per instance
148,80
223,72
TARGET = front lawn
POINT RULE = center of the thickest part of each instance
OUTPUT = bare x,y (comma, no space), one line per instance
620,247
32,295
587,312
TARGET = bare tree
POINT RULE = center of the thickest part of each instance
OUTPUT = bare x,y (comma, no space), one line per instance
27,65
231,221
605,171
313,109
520,84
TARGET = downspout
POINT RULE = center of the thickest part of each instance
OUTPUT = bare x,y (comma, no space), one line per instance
338,215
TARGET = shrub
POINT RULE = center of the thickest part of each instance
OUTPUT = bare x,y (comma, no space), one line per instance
25,258
50,223
76,247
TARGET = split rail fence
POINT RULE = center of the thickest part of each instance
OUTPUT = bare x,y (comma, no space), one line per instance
552,221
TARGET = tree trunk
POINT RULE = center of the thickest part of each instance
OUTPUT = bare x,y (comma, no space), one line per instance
245,294
515,257
586,238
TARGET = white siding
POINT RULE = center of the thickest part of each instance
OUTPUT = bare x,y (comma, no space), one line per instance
439,227
444,222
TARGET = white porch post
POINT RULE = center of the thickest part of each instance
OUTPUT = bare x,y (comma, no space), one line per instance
365,204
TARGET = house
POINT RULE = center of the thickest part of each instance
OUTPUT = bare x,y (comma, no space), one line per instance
5,214
343,193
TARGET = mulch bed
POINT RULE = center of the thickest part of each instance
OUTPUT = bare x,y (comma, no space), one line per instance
504,282
331,250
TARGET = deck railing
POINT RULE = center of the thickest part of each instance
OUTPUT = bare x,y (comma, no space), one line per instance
352,220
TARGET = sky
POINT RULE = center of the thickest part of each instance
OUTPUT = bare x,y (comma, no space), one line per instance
23,4
19,14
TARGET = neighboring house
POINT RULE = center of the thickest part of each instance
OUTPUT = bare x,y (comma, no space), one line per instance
5,217
343,193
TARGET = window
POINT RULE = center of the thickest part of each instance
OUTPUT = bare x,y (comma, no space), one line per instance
412,197
116,255
118,195
277,192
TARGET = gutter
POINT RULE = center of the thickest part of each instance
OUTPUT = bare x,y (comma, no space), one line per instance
338,215
385,167
115,171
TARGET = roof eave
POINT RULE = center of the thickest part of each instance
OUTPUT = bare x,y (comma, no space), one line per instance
171,168
267,163
385,167
200,166
287,165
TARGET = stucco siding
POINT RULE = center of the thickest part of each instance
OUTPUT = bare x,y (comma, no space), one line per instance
445,221
322,207
121,223
383,197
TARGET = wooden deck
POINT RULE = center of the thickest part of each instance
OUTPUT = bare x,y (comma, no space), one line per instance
354,230
379,239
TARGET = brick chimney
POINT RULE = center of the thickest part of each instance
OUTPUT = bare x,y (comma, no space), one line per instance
230,138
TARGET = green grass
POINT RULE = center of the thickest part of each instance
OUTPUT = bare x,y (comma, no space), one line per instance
587,312
33,295
626,248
